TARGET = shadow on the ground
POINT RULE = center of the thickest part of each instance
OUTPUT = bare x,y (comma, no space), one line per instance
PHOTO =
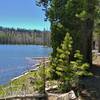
92,85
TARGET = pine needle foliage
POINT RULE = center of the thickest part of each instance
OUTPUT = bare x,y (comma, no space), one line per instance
68,72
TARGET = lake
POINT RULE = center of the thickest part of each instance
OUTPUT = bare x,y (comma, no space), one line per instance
15,59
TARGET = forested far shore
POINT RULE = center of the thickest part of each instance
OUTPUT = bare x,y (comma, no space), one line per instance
24,36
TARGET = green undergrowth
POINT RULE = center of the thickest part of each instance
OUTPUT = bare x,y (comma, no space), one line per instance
20,84
23,79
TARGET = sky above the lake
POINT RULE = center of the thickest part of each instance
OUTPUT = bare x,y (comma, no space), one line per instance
22,14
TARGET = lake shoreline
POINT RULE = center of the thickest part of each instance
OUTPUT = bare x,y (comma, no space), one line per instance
33,67
13,59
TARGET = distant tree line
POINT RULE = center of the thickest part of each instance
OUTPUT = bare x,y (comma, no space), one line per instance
23,36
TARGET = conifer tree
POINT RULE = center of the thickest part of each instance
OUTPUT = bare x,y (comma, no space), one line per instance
75,17
68,72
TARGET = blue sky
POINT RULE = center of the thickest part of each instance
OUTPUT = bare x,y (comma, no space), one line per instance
22,14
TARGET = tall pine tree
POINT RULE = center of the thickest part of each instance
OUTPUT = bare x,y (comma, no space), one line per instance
75,17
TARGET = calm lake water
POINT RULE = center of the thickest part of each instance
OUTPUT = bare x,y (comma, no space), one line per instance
15,59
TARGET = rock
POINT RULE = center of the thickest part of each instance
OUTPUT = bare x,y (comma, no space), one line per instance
63,97
66,96
72,95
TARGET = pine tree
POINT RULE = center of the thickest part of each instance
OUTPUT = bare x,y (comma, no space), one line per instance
68,72
75,17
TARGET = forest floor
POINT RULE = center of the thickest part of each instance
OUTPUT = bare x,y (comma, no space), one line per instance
91,88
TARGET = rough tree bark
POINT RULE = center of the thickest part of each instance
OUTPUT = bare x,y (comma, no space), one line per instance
87,31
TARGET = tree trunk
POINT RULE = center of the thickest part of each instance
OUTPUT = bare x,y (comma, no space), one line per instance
87,31
99,43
